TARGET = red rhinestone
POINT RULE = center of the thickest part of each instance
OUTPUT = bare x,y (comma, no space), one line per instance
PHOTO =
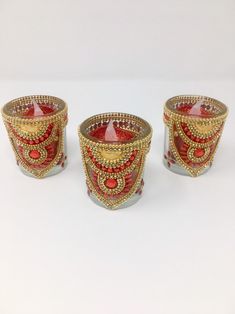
199,152
111,183
35,154
110,170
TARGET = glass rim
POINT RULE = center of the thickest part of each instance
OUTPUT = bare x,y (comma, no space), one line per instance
97,118
220,106
24,100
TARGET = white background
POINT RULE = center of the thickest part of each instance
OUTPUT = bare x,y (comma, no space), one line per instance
73,39
173,251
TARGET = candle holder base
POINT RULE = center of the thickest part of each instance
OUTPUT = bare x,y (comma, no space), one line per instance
131,201
55,170
174,167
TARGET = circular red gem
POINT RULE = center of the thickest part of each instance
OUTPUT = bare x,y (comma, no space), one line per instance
35,154
199,152
111,183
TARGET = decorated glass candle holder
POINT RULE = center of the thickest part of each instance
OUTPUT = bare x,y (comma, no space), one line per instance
36,129
114,148
194,125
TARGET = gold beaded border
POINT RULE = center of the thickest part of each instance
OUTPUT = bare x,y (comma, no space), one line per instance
115,162
53,137
194,172
114,204
193,128
41,173
118,189
43,156
198,159
113,175
29,135
179,131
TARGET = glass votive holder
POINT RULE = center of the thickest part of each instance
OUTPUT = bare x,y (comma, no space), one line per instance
36,128
193,127
114,148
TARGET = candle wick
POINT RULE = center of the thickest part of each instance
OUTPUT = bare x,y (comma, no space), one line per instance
110,133
37,110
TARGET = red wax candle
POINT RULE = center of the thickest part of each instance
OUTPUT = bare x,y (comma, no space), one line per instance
198,109
37,110
111,133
